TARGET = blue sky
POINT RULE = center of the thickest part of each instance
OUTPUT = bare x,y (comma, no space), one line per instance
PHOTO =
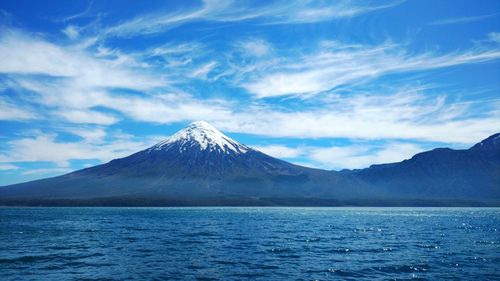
328,84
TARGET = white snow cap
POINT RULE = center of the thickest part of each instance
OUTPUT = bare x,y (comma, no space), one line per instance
206,135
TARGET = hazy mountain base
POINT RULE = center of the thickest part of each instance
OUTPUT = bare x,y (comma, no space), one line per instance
243,202
248,192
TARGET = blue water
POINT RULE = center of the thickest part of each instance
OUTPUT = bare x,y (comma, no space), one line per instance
249,243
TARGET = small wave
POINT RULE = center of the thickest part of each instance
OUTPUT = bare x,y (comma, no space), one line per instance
428,246
203,278
249,276
340,251
135,229
485,242
201,234
225,262
313,240
280,250
42,258
25,259
145,250
402,268
81,264
344,273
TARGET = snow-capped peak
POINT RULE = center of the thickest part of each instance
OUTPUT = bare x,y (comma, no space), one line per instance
203,134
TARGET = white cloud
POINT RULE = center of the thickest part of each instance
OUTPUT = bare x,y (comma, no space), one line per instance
458,20
76,105
494,37
327,69
203,71
78,15
25,54
407,114
167,108
9,111
255,47
355,157
318,11
72,92
77,82
90,135
404,115
280,151
8,167
174,49
87,117
22,55
45,148
46,171
271,12
343,157
71,31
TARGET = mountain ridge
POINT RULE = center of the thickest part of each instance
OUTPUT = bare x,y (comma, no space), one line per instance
201,166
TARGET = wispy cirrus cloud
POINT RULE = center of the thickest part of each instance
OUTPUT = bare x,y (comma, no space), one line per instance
78,106
458,20
89,135
23,54
67,80
317,11
78,15
342,64
11,111
203,71
76,89
86,117
272,12
403,115
28,149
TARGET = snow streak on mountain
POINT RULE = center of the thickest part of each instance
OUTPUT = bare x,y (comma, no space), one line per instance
203,136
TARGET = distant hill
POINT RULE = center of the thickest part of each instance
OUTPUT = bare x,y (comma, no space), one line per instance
201,166
442,174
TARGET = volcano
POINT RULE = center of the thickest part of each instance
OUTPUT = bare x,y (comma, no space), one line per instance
199,165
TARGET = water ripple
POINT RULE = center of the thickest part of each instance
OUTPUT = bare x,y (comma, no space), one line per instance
249,243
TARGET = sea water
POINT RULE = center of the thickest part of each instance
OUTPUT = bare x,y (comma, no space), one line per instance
249,243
